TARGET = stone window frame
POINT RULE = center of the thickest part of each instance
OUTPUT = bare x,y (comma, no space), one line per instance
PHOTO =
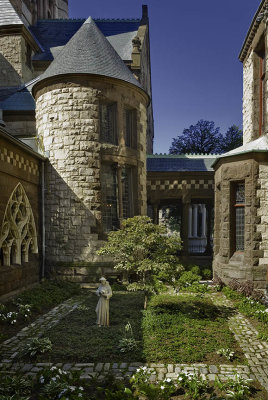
234,206
112,109
130,127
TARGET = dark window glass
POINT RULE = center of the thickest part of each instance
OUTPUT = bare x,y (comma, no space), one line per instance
131,128
109,196
108,132
239,216
127,200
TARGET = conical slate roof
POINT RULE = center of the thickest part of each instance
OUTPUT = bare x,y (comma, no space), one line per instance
89,52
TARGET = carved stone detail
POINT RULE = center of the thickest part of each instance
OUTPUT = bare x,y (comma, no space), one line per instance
18,232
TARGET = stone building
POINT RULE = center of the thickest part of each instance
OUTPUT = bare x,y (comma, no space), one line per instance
20,214
180,194
79,92
241,176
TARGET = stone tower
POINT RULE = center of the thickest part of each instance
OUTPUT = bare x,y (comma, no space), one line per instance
91,119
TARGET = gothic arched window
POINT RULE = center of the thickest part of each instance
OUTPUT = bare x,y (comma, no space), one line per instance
18,235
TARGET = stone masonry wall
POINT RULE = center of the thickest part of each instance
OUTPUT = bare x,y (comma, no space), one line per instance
262,227
18,166
243,266
13,68
68,121
250,98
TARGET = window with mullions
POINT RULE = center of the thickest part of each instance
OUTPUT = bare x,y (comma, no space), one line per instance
127,198
239,216
108,130
130,128
109,198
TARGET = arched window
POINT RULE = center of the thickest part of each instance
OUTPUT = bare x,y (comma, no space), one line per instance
18,232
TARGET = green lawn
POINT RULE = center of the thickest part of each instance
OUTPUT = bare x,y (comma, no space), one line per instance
175,329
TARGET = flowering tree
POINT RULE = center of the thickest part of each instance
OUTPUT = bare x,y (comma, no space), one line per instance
146,250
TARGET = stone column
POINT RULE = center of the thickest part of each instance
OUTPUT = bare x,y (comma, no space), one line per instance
195,206
185,221
204,220
155,213
190,221
208,250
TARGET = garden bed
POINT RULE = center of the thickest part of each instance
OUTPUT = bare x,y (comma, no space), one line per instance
41,299
174,329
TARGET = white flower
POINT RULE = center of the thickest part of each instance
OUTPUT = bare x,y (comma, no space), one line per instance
168,380
138,370
81,388
54,379
53,368
144,368
42,380
162,387
180,378
80,395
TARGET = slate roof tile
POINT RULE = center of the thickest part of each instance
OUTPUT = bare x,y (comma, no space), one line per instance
56,33
179,163
8,15
89,52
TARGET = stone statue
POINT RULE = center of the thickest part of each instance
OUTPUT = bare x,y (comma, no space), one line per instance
104,292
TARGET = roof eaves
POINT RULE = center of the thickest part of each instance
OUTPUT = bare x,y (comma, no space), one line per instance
251,32
7,135
238,154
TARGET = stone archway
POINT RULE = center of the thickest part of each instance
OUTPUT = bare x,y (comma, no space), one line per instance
18,234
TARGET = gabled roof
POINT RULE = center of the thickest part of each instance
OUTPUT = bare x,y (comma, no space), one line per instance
177,163
54,34
89,52
8,15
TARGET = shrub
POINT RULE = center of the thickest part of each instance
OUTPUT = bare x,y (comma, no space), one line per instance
188,278
145,250
37,346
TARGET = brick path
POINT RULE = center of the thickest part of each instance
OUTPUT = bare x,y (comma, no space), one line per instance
255,351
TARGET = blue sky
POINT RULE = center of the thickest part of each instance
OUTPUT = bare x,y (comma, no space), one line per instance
194,53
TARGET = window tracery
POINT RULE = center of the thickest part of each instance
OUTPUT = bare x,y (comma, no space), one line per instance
18,235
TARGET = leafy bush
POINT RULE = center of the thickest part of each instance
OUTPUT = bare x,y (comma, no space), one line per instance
55,383
226,353
15,387
37,346
128,342
196,287
145,250
188,278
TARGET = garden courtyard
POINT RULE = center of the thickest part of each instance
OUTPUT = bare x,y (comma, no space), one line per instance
203,342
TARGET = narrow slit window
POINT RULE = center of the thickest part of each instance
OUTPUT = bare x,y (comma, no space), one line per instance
239,215
108,126
131,128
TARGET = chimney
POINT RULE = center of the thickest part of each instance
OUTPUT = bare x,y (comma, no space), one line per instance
144,13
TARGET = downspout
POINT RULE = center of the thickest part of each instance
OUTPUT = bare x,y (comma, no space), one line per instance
43,220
